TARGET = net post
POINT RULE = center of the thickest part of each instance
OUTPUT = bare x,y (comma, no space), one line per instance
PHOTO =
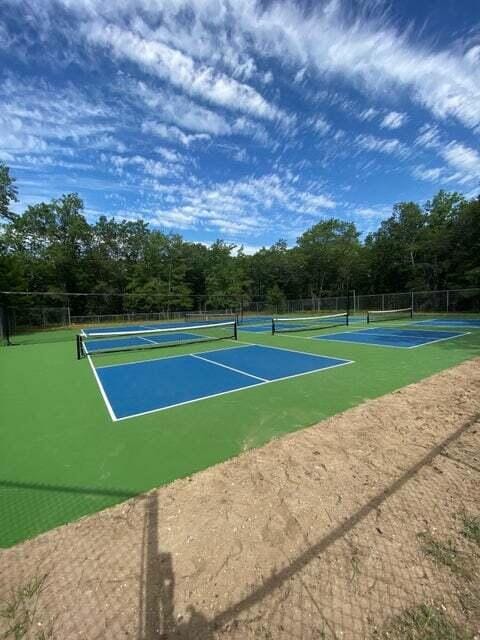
8,327
235,330
273,326
411,313
79,347
348,306
368,317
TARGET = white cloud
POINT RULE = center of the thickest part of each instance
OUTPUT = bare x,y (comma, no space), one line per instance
150,167
36,117
430,175
241,208
180,70
391,146
368,114
195,39
170,155
300,75
268,77
429,137
464,159
393,120
174,134
183,112
240,155
313,204
320,125
373,56
367,218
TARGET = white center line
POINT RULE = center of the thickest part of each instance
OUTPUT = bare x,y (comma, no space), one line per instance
219,364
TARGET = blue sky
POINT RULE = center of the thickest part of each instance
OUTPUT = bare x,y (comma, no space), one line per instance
244,120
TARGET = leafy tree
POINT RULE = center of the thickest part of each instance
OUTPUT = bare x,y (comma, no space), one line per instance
8,192
328,249
52,247
276,298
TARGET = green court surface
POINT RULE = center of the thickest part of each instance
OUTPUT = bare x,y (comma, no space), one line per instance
62,457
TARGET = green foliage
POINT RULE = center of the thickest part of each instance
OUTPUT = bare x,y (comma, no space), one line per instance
443,553
20,612
431,248
471,527
424,622
8,192
275,298
52,247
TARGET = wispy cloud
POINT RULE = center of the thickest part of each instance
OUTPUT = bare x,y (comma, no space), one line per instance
173,134
180,70
428,136
430,175
242,208
393,120
464,159
391,146
320,124
243,118
368,114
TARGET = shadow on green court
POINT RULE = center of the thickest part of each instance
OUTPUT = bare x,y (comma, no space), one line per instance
25,505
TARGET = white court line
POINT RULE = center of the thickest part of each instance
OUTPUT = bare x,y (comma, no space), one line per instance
179,355
223,393
148,340
373,344
262,381
236,344
225,366
459,335
462,324
304,353
102,390
368,344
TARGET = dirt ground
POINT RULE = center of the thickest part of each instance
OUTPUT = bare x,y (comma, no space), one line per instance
348,529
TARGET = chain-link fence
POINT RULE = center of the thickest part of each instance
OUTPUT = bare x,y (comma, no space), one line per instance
29,311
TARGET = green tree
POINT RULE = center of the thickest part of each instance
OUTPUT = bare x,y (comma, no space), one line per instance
328,251
8,192
276,298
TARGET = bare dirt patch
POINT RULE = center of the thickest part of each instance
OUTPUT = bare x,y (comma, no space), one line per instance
363,526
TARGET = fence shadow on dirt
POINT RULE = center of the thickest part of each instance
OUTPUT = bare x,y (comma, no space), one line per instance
302,609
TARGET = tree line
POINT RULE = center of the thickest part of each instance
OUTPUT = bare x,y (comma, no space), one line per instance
52,247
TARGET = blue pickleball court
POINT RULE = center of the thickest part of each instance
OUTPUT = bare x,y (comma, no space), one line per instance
461,323
391,337
138,388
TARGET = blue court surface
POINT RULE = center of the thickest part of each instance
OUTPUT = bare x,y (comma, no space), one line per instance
384,337
263,328
465,323
138,388
253,320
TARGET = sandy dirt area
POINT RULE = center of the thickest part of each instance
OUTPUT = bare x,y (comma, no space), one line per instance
334,531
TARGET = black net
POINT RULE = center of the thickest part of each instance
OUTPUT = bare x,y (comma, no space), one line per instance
391,314
108,341
310,323
206,316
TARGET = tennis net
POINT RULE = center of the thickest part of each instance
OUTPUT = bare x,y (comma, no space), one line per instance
390,314
92,343
205,316
312,323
